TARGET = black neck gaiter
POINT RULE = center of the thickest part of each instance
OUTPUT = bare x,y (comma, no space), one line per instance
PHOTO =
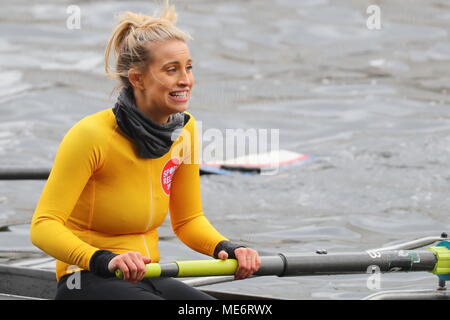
153,140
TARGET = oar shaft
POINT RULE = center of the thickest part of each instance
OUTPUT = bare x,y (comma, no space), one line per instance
24,173
37,173
342,263
304,264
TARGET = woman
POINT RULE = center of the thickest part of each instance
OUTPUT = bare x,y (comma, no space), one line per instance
119,171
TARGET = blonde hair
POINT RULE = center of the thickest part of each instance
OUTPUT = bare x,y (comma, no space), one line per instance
131,37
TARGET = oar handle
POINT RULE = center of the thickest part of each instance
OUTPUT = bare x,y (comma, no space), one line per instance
189,268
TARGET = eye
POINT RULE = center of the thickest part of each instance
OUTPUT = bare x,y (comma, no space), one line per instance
190,67
171,70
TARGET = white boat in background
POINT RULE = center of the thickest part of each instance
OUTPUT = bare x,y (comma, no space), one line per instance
266,162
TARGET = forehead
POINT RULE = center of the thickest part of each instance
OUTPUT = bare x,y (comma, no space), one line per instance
173,50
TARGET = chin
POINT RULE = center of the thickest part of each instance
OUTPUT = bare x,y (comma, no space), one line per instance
179,108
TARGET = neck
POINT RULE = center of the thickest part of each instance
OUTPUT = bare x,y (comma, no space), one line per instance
150,111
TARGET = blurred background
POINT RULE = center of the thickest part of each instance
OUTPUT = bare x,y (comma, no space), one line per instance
370,104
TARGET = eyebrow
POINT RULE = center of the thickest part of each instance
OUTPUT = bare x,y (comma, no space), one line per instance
175,62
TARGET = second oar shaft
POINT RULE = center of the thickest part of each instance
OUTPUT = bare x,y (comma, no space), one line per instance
24,173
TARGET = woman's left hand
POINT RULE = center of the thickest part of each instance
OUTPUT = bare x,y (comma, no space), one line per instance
248,262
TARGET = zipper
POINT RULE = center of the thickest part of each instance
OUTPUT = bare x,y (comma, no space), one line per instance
150,220
145,245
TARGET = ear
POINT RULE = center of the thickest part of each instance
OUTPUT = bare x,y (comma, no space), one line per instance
136,78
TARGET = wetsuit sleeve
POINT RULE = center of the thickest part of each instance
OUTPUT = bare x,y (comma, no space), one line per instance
77,158
186,214
228,247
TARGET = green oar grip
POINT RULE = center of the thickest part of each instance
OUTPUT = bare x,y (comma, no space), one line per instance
203,268
194,268
153,271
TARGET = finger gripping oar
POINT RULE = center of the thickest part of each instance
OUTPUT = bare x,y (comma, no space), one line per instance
193,268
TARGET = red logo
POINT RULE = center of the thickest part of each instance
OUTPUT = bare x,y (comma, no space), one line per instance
167,173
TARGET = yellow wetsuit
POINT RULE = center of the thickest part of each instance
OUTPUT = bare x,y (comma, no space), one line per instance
101,195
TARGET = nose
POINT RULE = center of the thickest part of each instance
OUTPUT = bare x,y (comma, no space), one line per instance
185,79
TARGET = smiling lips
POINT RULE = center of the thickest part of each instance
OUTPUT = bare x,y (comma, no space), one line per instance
179,96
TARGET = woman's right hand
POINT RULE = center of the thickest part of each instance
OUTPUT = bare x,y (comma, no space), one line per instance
132,265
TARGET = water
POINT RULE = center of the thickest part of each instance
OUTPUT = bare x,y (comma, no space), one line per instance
371,105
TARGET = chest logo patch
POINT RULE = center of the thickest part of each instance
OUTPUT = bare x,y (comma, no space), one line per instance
167,174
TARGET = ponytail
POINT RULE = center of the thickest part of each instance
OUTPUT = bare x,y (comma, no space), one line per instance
130,38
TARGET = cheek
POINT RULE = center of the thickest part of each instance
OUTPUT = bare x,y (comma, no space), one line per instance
158,90
158,83
165,84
